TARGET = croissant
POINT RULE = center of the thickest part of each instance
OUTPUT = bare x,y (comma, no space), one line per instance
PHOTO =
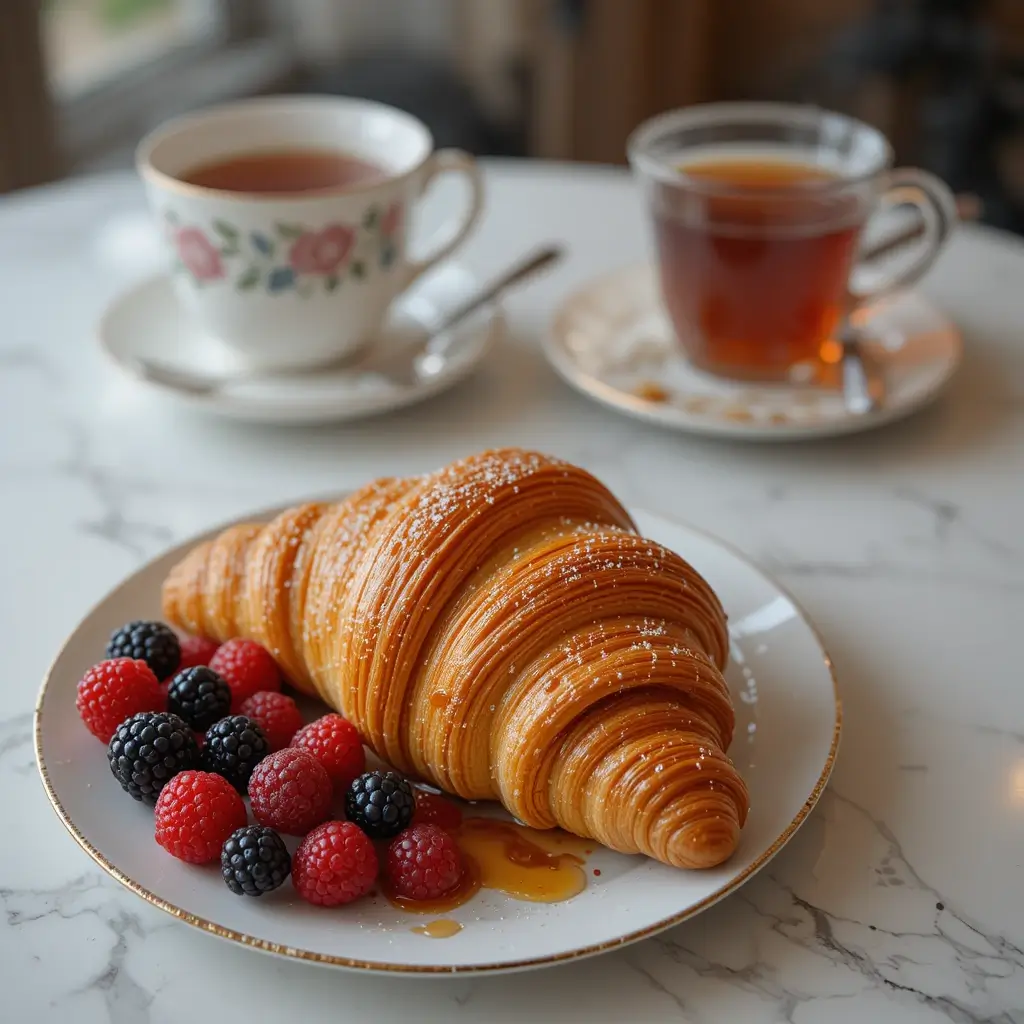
498,629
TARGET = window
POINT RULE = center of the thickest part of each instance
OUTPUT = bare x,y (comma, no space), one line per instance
91,43
117,68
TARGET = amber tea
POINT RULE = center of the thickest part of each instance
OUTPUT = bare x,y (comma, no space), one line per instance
755,259
285,171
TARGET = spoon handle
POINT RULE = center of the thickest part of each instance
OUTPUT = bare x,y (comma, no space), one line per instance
518,272
205,384
863,383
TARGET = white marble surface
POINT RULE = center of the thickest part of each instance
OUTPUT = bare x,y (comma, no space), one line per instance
901,899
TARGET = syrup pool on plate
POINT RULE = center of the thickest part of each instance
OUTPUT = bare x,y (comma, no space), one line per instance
468,886
524,863
443,928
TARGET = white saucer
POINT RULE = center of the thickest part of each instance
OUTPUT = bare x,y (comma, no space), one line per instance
148,322
612,341
788,719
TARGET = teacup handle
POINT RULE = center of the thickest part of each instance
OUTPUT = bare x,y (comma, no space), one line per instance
909,186
446,161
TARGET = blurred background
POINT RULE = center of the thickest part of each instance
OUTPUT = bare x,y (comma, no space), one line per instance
82,80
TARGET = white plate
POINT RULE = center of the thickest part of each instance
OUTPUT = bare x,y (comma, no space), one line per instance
788,722
147,321
612,341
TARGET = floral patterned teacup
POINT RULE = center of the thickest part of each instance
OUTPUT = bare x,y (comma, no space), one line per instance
296,280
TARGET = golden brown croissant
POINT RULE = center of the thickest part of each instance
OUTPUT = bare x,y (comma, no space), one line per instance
498,629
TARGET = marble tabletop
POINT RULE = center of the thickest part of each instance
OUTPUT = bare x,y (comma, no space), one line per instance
900,900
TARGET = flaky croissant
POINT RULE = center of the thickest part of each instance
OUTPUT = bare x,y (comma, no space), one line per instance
497,629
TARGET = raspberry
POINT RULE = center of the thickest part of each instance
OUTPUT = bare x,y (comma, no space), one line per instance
115,690
247,668
196,650
276,714
152,642
424,862
195,814
337,745
434,809
336,863
290,791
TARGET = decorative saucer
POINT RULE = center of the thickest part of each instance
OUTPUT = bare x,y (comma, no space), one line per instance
148,323
613,341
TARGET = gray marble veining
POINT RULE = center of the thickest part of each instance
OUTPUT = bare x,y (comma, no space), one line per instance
900,899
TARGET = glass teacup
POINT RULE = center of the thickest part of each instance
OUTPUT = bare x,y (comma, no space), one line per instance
758,214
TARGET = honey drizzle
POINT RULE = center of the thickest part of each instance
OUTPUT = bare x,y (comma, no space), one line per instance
468,887
443,928
524,863
521,862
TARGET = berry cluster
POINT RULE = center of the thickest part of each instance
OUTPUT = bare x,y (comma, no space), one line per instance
194,728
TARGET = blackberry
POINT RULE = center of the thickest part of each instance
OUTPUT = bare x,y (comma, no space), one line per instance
233,748
148,750
380,803
254,860
199,696
152,642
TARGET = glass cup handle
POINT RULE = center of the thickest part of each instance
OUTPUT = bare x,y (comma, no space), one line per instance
909,186
446,161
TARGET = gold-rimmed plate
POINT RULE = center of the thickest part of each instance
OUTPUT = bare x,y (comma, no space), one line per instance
788,724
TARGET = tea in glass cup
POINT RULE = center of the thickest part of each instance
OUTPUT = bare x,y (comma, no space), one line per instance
758,211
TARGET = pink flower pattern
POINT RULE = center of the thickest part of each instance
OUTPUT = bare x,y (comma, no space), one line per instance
392,219
200,256
322,252
288,257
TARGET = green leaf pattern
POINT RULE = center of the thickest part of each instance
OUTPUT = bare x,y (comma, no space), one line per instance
249,279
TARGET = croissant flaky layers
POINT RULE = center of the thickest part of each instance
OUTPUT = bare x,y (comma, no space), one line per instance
498,629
